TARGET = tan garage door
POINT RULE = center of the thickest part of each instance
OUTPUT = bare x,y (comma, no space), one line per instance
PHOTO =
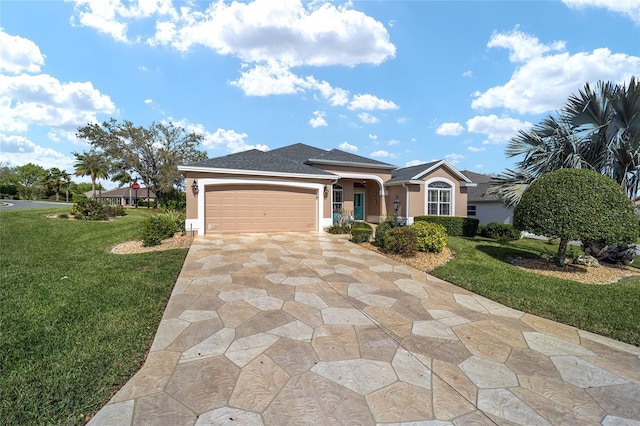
259,208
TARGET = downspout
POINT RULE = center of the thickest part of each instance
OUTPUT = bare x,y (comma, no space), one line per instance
407,198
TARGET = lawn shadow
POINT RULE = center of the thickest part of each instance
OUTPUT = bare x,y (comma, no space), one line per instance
506,252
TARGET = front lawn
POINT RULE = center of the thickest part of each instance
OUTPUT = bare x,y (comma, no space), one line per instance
481,266
76,321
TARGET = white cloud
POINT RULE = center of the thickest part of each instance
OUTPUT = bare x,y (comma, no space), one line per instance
476,149
318,119
286,31
19,150
335,95
393,142
43,100
467,74
148,101
230,140
630,8
370,102
523,47
454,158
497,130
414,163
383,154
348,147
544,80
373,137
19,54
402,120
365,117
450,129
271,78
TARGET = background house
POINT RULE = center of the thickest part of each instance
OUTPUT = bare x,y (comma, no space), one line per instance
482,206
123,196
302,188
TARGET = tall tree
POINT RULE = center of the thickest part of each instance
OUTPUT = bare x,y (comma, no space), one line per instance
54,179
91,164
28,177
598,129
153,153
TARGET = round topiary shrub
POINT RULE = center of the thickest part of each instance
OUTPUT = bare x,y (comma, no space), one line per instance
431,237
576,204
381,230
402,241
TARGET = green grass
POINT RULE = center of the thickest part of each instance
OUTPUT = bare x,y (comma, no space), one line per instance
481,266
76,321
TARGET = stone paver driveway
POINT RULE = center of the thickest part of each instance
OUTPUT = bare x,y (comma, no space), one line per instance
312,329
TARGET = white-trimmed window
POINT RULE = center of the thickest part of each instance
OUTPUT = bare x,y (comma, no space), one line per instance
439,199
338,198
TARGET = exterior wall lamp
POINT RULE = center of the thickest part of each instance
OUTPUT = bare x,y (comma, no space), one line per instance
396,207
194,187
326,191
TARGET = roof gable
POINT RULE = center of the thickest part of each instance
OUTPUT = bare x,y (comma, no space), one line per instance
417,172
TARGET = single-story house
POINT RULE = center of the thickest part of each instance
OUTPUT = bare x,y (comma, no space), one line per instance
483,206
302,188
123,196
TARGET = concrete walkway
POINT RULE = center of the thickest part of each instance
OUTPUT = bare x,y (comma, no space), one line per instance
312,329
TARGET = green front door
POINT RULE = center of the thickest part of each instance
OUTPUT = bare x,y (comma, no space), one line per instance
358,206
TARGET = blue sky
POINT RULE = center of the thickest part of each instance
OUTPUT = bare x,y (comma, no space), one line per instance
399,81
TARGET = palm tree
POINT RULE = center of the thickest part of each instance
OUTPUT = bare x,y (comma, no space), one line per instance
597,129
55,178
91,164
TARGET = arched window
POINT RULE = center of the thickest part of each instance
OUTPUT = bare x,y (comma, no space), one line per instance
338,198
439,199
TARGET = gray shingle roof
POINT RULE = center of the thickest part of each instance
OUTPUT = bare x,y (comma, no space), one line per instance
308,154
479,192
408,173
339,156
298,152
256,160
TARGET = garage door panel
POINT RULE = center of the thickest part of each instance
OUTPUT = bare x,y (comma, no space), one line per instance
255,208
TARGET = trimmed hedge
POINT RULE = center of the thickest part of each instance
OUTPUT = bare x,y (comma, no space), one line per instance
499,231
455,226
361,232
381,231
431,237
401,240
157,228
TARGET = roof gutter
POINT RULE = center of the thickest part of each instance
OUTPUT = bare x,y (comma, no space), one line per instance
254,173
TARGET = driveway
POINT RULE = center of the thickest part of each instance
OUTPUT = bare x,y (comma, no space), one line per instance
312,329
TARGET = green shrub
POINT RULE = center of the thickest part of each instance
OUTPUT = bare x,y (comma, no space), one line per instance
118,210
144,203
78,197
178,217
63,216
401,240
431,237
381,230
361,232
90,209
455,226
338,229
499,231
157,228
78,216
